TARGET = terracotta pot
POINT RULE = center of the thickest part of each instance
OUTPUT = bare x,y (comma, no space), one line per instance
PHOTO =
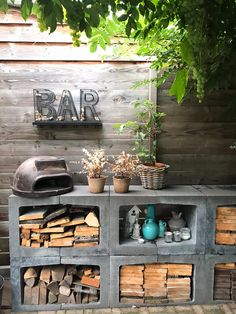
96,185
121,185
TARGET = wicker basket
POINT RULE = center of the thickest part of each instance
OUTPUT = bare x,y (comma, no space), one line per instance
153,178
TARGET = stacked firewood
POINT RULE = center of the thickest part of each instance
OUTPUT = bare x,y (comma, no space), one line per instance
225,282
61,227
155,283
131,284
226,225
61,284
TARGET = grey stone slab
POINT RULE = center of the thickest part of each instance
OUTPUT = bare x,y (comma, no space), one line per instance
216,190
82,191
170,191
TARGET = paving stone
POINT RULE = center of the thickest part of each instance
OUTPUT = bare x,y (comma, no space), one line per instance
214,311
102,311
88,311
197,309
48,312
158,309
62,312
116,310
226,308
170,309
184,309
71,312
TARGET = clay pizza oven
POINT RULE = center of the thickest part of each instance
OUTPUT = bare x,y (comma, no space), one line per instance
42,176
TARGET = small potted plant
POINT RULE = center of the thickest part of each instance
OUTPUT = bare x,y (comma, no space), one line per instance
94,165
145,129
124,167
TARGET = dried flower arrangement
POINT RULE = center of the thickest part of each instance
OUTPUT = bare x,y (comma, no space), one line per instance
125,165
95,163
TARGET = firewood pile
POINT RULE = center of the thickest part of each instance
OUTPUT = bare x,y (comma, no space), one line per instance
226,225
65,226
155,283
225,282
61,284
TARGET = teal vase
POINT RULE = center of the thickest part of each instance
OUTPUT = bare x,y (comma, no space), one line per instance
162,228
150,229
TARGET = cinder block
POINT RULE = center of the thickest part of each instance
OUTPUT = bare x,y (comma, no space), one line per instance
210,262
17,267
198,277
15,203
183,198
217,196
81,196
104,264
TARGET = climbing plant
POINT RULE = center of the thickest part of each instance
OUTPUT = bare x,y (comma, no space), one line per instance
187,39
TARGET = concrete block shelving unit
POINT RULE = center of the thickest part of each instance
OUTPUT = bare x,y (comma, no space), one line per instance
185,199
198,206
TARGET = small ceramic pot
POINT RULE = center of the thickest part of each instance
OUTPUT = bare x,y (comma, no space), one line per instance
96,185
121,185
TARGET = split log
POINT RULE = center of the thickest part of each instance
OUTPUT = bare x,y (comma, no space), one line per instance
78,220
84,230
61,242
35,295
85,244
58,221
91,220
26,243
49,230
45,274
27,295
68,233
30,273
42,293
71,299
64,288
53,287
93,282
58,272
62,298
68,279
34,213
52,298
55,213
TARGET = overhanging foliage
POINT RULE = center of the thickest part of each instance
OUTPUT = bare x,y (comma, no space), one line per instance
194,39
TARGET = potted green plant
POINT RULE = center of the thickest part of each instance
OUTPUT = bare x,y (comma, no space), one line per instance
145,130
124,167
94,165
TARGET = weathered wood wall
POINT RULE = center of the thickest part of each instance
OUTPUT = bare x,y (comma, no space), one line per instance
195,139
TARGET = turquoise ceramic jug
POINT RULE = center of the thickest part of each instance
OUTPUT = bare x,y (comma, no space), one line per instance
150,229
162,228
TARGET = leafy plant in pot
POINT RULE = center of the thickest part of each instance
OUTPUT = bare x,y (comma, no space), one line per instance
124,167
94,165
145,129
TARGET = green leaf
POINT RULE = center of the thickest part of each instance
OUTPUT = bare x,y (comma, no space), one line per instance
178,88
88,31
128,28
93,46
186,51
26,8
3,6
